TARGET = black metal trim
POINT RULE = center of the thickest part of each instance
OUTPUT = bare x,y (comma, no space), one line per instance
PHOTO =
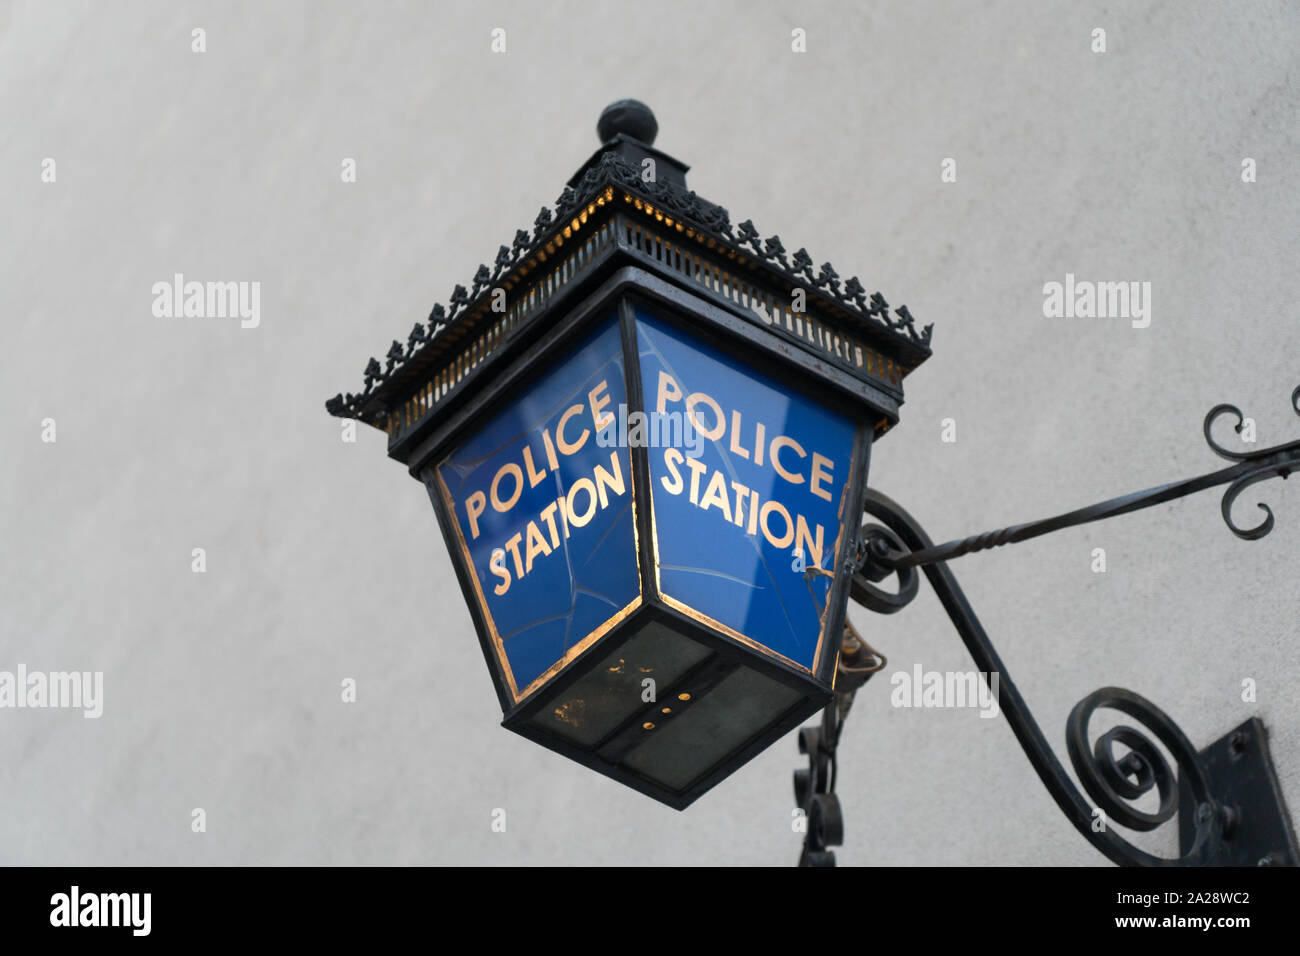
640,456
711,222
463,572
1241,771
725,651
428,441
1252,467
1209,814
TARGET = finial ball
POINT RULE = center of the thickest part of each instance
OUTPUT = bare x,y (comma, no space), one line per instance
631,117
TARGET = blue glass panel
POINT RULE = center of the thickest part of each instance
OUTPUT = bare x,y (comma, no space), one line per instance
745,473
539,487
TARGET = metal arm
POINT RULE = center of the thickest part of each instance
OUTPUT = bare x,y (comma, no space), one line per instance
1227,817
1251,467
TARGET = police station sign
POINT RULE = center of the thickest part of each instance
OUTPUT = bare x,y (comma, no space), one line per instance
737,528
645,433
545,515
741,503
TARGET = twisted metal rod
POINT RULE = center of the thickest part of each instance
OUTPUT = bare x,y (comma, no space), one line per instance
1249,468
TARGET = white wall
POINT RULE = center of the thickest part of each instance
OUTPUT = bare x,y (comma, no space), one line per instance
324,560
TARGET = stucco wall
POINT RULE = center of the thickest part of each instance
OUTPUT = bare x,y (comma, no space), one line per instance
222,689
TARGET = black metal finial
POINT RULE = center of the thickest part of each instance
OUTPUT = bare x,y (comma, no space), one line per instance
630,117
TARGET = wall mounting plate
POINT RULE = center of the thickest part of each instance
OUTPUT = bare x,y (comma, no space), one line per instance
1243,780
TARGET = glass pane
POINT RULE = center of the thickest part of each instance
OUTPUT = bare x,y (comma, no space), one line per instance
544,509
613,691
733,713
747,479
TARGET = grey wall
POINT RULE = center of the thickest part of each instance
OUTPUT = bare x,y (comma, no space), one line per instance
323,558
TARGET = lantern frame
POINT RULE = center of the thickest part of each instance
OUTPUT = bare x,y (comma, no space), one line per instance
626,287
617,242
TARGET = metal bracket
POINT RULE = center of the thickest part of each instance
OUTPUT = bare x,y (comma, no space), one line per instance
1233,812
1230,808
1257,831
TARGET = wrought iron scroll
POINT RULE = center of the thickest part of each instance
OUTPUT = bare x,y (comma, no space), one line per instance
711,221
1251,468
1112,784
814,788
899,545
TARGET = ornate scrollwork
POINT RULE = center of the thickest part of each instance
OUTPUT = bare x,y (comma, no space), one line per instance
712,220
1279,460
813,793
1249,468
814,788
898,546
1112,783
877,539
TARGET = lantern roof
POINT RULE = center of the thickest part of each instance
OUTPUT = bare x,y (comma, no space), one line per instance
615,177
